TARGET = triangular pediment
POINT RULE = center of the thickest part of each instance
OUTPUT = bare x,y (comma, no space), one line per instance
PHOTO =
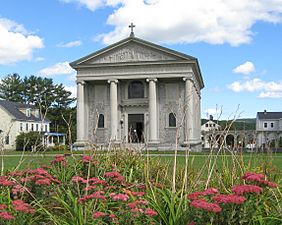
131,50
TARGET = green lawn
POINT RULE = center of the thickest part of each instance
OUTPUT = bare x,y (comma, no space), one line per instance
196,161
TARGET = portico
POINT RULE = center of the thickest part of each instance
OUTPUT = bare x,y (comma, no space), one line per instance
136,91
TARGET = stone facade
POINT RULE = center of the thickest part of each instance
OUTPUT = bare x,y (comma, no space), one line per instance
136,91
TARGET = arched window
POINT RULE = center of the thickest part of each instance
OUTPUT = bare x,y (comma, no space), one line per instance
171,120
101,121
136,89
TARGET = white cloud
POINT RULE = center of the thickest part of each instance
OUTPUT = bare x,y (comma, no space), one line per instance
39,59
186,21
70,44
267,89
90,4
16,43
72,89
245,68
60,68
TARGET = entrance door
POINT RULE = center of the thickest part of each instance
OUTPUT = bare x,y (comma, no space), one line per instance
135,128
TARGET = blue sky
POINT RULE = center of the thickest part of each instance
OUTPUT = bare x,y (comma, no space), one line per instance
238,43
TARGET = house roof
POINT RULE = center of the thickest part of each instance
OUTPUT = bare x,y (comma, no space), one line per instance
14,109
269,115
132,39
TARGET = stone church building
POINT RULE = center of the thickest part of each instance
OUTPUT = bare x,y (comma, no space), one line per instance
135,91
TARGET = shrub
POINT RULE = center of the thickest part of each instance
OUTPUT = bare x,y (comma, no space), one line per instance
29,141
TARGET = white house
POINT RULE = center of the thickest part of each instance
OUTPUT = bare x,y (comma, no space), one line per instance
16,118
137,91
268,127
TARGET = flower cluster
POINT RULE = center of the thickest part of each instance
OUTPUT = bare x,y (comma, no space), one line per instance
259,179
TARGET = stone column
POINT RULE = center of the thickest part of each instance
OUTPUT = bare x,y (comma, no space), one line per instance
80,112
153,122
114,109
189,110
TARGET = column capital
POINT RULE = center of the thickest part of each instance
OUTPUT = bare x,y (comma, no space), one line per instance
151,79
113,80
82,82
187,78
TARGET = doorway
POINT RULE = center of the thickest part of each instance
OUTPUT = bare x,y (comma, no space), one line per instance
135,128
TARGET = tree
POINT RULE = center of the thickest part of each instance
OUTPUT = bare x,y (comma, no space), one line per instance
11,88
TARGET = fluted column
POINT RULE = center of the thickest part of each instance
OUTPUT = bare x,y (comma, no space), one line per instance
114,109
80,111
153,122
190,110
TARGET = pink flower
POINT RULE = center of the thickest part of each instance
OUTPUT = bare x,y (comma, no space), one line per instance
6,216
95,180
20,205
138,194
247,188
59,159
194,195
192,223
89,188
3,206
98,215
203,204
95,195
77,179
150,212
120,197
86,158
132,205
210,191
268,183
44,181
232,198
251,176
113,216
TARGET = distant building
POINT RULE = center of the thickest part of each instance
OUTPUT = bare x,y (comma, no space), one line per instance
268,127
16,118
208,127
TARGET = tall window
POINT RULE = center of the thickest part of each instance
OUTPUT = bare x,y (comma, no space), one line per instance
101,121
136,89
271,125
26,126
171,120
265,125
7,140
32,127
21,126
36,127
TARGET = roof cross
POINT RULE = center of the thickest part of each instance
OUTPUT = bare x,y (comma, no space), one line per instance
131,26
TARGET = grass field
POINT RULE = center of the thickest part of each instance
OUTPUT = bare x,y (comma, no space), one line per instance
272,162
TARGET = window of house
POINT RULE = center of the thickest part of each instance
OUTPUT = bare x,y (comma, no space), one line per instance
207,125
136,89
46,128
101,121
7,140
21,126
36,127
271,125
32,127
172,120
26,126
265,125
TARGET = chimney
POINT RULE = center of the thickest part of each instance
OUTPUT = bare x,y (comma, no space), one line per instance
264,112
211,117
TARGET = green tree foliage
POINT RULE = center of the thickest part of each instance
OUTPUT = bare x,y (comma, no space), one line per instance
29,141
11,88
53,100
